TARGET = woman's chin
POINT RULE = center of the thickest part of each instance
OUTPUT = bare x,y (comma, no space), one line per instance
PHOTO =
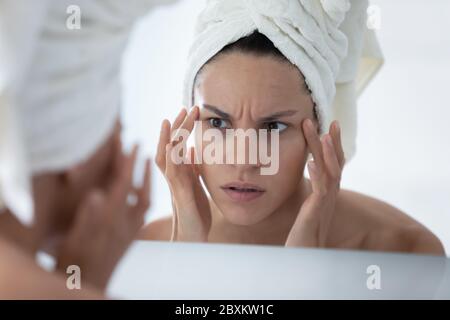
241,216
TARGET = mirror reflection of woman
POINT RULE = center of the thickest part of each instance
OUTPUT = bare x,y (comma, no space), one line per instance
65,179
252,83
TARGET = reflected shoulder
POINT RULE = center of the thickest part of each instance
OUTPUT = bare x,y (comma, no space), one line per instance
158,230
22,278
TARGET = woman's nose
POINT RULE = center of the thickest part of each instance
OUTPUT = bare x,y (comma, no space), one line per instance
242,149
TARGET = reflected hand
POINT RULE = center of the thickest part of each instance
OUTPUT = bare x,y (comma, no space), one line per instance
312,225
191,210
106,223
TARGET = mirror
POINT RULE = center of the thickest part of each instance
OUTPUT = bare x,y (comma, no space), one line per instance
386,180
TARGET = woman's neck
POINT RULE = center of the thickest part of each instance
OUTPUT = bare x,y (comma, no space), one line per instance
273,230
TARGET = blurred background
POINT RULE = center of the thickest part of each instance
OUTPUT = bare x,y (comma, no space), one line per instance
403,147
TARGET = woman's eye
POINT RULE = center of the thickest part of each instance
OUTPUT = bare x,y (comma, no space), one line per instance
219,123
279,126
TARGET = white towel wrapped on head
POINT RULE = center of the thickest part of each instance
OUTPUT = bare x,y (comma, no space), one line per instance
323,38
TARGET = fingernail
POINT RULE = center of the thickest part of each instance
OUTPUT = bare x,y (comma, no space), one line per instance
196,109
338,126
164,123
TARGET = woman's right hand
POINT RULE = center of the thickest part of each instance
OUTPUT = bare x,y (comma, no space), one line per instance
106,224
191,210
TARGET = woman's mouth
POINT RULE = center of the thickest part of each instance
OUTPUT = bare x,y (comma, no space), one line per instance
243,192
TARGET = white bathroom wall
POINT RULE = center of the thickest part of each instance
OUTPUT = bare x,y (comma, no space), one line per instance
403,152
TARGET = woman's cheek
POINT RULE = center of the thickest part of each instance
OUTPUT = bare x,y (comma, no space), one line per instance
212,175
292,158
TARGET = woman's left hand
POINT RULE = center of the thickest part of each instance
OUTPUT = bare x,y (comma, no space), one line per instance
311,227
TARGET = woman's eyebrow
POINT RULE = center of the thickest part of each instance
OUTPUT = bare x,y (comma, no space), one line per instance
277,115
217,111
271,117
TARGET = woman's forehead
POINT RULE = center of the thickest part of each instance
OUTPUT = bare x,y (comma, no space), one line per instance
264,84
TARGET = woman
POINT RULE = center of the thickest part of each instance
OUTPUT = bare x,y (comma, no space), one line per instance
270,70
67,109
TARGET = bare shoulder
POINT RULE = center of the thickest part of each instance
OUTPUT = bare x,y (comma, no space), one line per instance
158,230
381,226
22,278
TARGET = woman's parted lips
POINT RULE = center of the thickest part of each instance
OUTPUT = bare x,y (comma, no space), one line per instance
243,187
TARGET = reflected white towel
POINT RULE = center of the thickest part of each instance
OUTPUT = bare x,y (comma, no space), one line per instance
323,38
20,23
71,97
67,97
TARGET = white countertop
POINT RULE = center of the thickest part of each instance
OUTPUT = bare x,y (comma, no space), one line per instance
161,270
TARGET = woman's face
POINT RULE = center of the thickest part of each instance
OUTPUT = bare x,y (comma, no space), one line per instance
244,91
